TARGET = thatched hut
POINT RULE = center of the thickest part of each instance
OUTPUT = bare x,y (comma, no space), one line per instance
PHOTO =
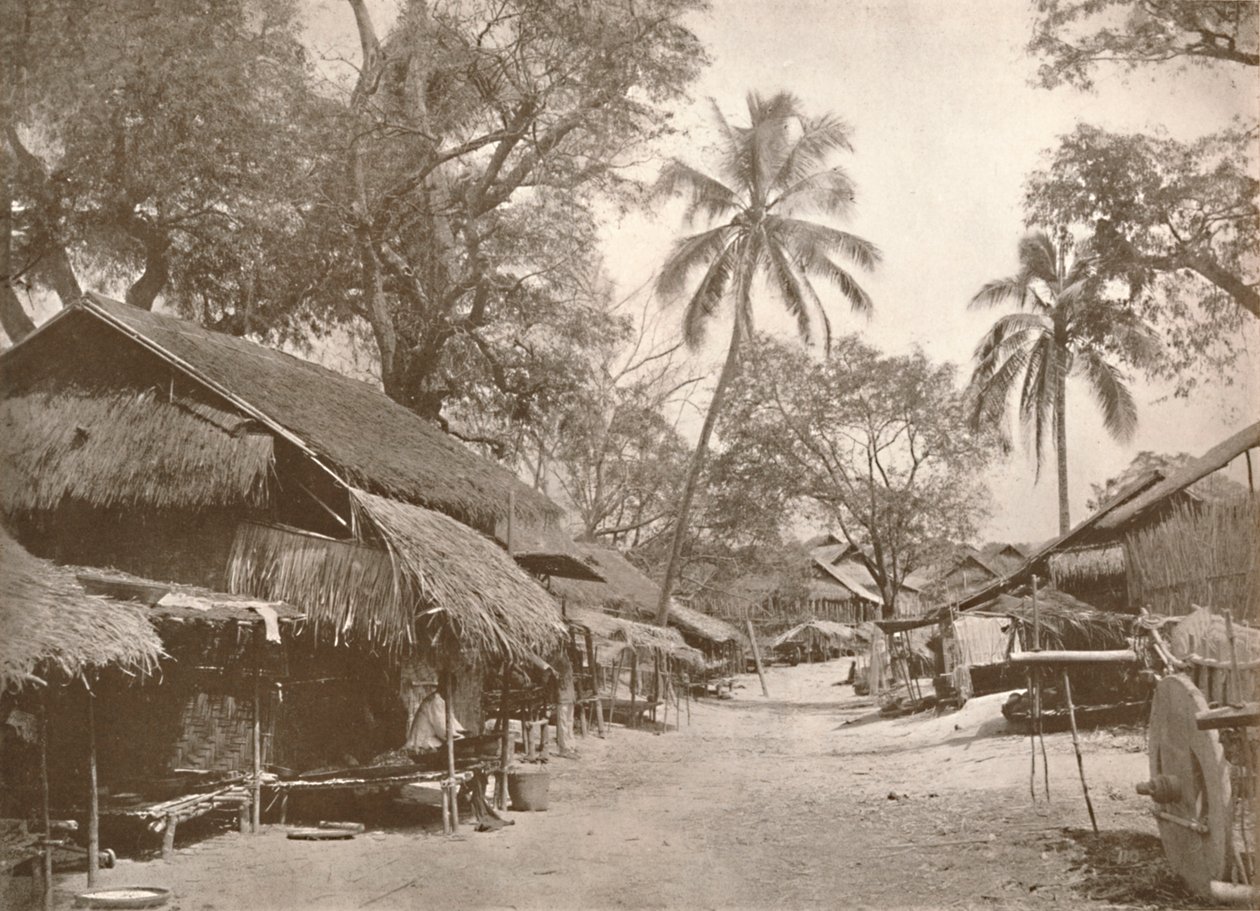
629,593
149,445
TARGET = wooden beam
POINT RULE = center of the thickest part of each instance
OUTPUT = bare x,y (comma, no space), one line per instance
1049,657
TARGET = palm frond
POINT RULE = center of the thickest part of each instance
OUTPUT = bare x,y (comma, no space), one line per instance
706,197
1111,393
710,292
1036,398
798,295
1039,257
820,137
820,266
688,254
804,237
998,292
830,192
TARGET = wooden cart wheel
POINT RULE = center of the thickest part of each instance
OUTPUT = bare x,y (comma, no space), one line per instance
1190,784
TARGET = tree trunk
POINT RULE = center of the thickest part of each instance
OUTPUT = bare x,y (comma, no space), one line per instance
693,472
1060,438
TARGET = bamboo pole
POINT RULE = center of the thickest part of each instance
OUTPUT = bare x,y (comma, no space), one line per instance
94,806
752,637
452,787
612,705
255,810
1076,746
505,741
634,687
43,781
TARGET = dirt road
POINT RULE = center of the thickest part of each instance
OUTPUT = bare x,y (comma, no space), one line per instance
757,803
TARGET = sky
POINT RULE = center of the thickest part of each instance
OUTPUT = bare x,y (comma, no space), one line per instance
946,127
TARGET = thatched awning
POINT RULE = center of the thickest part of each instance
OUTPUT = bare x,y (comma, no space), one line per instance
1088,566
434,584
704,626
48,622
648,640
121,448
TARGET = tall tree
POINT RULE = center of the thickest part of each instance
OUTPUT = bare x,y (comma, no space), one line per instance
878,446
150,144
1072,37
1174,224
772,185
1063,326
479,135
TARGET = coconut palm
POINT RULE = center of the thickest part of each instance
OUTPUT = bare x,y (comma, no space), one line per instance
772,184
1063,328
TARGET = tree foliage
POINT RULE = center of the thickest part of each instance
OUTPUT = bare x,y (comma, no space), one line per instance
161,145
1072,37
879,446
1215,487
1174,225
767,210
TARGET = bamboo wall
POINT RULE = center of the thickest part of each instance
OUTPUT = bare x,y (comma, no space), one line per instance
1209,555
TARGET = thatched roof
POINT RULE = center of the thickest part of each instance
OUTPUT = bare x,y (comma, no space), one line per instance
629,591
1084,566
704,626
1066,623
1213,460
618,633
857,579
625,588
827,629
435,583
121,448
369,440
48,622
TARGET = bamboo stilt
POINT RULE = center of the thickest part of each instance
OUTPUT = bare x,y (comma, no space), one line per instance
1076,746
752,637
616,681
47,813
452,788
94,806
255,811
505,742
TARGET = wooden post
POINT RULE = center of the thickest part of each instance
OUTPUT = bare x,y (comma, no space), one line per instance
452,788
1036,695
94,807
616,681
43,781
634,686
752,637
255,810
505,741
1076,746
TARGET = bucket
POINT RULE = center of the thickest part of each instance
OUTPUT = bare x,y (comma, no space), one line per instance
529,788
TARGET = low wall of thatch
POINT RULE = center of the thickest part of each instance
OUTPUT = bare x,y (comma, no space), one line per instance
1207,555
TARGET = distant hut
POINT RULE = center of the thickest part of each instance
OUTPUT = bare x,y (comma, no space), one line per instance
628,592
217,469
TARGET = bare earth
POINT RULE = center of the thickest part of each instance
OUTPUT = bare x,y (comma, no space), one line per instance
756,803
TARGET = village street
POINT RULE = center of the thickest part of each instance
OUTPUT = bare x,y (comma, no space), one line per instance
757,803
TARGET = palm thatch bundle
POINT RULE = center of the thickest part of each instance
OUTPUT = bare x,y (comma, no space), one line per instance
127,448
49,624
648,641
405,456
1087,567
1065,622
1208,555
434,584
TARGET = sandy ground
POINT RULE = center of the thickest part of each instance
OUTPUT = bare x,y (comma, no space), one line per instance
781,802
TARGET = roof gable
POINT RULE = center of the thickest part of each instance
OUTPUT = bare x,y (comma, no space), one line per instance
353,428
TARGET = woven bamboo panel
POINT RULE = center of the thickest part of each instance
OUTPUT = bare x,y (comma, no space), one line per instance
215,733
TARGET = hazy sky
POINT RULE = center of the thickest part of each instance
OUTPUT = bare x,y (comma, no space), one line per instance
946,127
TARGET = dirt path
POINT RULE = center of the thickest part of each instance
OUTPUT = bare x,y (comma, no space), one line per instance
757,803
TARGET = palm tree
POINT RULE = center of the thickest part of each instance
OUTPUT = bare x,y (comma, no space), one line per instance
1063,327
773,180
